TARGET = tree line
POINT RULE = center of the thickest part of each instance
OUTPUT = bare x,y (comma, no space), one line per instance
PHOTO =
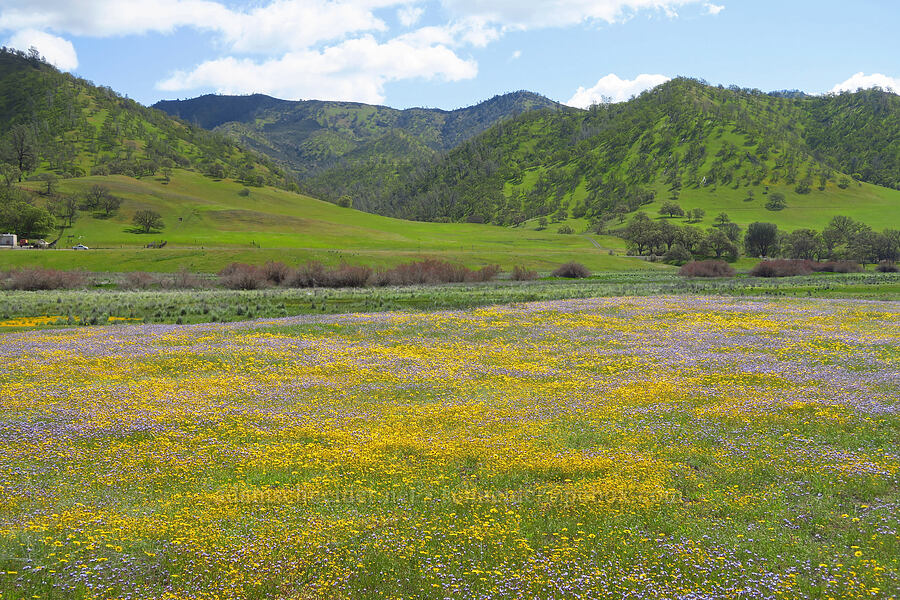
842,239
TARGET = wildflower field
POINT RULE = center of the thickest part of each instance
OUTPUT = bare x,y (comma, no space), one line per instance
653,447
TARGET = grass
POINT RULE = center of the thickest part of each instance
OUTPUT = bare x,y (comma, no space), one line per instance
677,446
209,225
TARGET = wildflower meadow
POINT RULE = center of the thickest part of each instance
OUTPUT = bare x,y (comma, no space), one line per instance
656,447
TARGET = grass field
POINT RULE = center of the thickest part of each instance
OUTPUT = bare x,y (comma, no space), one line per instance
209,225
659,447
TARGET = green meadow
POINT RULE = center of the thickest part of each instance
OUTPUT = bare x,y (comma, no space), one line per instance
209,224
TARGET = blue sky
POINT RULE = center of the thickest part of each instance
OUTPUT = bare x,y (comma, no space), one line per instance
452,53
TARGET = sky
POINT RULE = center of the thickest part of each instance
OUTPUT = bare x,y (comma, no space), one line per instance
454,53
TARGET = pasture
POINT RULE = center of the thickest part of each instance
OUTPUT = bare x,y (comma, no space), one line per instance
648,447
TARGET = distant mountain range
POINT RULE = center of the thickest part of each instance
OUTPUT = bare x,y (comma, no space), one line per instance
313,136
521,155
514,157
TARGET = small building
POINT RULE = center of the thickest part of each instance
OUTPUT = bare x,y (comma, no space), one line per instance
8,240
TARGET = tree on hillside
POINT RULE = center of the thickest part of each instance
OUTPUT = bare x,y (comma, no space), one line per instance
696,215
345,201
148,220
21,149
776,201
671,209
93,196
109,204
66,209
761,239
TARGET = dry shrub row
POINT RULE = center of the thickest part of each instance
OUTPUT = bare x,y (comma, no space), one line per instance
793,268
43,279
520,273
239,276
572,270
707,268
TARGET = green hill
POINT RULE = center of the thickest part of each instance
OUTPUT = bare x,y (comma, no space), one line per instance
75,128
218,202
348,148
699,145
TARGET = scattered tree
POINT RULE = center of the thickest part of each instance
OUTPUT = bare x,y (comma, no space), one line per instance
671,209
148,220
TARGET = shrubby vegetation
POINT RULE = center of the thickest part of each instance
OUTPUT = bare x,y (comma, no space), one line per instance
314,274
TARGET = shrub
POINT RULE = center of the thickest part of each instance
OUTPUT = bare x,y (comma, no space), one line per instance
312,274
572,270
44,279
520,273
348,276
139,280
782,268
838,266
566,230
707,268
887,266
244,192
276,273
433,271
238,276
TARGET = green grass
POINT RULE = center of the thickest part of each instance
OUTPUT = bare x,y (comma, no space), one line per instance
208,225
874,205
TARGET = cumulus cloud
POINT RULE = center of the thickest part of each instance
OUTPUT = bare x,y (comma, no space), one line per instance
713,9
355,69
613,89
276,26
861,80
56,50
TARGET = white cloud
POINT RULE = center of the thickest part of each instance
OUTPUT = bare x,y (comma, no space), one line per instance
355,69
516,55
56,50
860,80
534,14
410,15
276,26
713,9
613,89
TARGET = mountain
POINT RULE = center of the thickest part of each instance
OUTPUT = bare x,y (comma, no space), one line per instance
684,141
330,144
53,122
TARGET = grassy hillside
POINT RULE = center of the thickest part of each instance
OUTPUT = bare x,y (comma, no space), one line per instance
74,128
347,148
699,145
209,224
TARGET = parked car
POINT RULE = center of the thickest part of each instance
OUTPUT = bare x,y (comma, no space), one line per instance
80,247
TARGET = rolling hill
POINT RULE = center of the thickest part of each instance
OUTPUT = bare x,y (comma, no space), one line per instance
702,146
699,145
331,145
218,201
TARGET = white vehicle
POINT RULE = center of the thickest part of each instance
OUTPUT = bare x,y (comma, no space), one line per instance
80,247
